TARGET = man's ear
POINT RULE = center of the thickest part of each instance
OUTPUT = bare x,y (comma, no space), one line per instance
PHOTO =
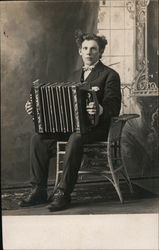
80,51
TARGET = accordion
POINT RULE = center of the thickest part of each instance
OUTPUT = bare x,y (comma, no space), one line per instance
61,107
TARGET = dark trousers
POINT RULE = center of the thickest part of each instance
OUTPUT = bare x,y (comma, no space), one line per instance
42,150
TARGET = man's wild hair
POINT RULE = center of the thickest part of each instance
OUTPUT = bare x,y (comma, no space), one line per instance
81,37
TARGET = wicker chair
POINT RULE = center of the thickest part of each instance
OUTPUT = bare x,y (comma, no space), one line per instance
107,156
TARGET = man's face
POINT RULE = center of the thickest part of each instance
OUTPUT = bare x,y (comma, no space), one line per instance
89,52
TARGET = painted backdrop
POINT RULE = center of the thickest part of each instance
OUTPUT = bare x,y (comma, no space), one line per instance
37,42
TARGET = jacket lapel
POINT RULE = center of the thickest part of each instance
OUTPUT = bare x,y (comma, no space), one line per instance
95,72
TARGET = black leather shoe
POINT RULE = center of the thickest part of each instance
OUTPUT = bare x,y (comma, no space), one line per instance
60,201
51,197
37,196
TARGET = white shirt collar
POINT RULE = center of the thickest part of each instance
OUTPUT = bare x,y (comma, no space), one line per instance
85,67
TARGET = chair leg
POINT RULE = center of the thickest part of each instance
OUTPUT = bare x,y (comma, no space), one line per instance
117,187
56,181
127,178
114,176
57,166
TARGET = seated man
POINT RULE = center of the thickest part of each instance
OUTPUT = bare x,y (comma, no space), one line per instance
106,82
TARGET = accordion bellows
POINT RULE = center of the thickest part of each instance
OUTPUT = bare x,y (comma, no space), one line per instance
61,107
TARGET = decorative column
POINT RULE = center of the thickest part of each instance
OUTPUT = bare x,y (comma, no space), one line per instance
141,154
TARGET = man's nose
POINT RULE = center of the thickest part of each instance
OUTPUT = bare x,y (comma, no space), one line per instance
88,51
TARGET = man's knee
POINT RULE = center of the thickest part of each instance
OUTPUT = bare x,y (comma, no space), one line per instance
75,139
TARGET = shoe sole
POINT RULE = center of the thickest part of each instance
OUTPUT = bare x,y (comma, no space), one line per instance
54,208
32,204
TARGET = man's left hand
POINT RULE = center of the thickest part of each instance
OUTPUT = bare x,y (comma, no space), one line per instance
92,109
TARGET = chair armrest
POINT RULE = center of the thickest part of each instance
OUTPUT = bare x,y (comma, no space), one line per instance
125,117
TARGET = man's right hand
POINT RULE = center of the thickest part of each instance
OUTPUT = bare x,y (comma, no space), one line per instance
29,107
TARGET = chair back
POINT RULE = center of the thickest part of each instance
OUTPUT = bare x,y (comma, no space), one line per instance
117,125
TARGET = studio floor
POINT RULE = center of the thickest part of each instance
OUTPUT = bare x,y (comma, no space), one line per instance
93,198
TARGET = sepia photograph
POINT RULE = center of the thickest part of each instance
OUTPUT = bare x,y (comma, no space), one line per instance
79,124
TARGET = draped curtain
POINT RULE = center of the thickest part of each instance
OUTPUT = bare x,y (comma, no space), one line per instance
37,43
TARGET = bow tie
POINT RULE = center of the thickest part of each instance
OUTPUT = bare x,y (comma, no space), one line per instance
88,68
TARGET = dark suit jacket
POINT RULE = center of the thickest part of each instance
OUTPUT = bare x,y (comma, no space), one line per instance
108,95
